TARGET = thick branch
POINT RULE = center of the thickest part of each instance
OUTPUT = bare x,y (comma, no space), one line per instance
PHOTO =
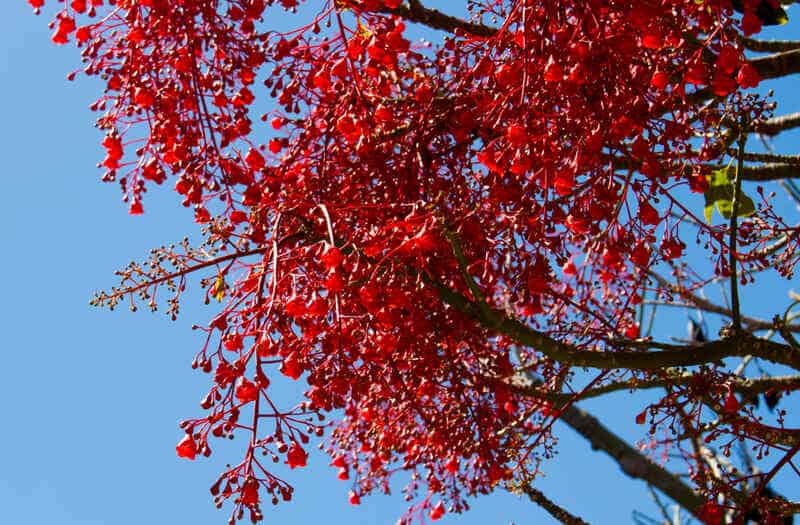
416,12
770,46
746,387
775,125
762,172
552,508
772,158
778,65
738,346
769,172
631,461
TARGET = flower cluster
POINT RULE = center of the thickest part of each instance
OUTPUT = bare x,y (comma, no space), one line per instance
532,172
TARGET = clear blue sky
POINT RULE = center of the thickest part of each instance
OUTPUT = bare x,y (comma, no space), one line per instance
91,398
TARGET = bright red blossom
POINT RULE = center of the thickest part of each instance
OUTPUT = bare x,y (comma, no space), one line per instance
187,448
425,229
246,391
296,457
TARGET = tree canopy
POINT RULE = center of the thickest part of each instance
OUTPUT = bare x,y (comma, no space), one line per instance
454,242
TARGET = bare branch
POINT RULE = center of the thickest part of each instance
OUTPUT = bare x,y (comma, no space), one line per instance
772,171
631,461
733,234
770,46
552,508
775,125
772,158
778,65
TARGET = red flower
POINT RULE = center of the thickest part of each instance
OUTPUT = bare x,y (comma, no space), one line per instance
564,182
254,160
723,84
659,80
731,403
553,72
672,248
632,331
142,97
516,134
578,225
250,492
354,499
136,208
291,367
648,215
66,26
748,76
296,456
332,258
201,215
246,391
238,217
728,59
437,511
83,34
696,74
640,255
334,282
187,448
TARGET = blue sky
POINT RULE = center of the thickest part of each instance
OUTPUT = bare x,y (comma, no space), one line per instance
92,398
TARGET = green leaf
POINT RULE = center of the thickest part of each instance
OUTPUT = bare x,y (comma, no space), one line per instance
720,195
708,211
746,207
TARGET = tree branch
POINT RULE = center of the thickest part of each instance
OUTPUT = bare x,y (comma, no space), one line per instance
775,125
707,306
631,461
770,172
772,158
770,46
416,12
552,508
778,65
746,387
738,345
733,236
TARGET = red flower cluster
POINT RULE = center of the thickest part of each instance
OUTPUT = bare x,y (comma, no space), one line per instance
528,169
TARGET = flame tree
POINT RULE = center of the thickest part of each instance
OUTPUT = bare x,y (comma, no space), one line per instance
453,244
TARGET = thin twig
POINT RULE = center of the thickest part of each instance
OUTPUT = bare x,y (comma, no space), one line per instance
734,232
